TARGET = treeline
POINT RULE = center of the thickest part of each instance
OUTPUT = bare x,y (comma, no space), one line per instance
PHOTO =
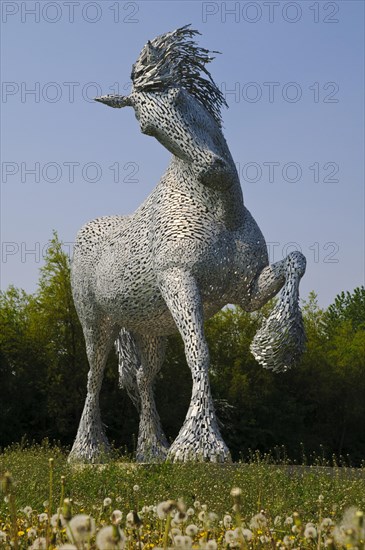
319,406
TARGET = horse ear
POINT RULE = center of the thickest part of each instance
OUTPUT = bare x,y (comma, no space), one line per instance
151,53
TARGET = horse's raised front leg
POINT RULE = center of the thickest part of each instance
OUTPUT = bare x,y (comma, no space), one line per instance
91,442
199,437
280,341
152,443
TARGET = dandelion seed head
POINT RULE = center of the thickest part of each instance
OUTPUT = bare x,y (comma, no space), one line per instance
39,544
230,536
258,521
227,521
107,502
277,521
31,533
116,517
211,545
2,536
326,523
191,530
236,492
130,519
240,533
165,507
80,528
109,537
57,520
175,532
43,517
310,532
182,541
136,488
288,541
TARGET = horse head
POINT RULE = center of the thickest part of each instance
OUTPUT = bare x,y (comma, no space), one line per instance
172,86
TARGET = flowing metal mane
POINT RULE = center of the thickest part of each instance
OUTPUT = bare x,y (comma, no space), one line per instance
191,248
172,60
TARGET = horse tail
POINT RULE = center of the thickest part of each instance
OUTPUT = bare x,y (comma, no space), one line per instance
128,364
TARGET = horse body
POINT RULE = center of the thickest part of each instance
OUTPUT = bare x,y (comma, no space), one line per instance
189,249
186,232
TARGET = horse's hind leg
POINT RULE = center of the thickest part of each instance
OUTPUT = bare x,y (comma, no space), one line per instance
152,443
91,441
199,437
280,341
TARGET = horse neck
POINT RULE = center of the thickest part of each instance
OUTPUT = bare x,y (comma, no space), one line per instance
226,196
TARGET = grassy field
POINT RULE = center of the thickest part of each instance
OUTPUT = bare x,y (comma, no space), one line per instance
48,503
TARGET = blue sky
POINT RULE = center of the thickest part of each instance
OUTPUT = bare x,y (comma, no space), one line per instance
294,81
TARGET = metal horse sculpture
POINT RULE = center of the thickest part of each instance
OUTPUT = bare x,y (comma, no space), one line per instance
191,248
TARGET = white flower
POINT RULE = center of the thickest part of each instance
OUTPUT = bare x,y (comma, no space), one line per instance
165,507
57,520
180,517
43,518
277,521
258,521
352,526
191,530
39,544
230,536
175,532
110,538
130,519
243,533
288,541
236,492
190,512
288,521
326,523
310,532
227,521
136,488
116,517
30,534
197,505
107,502
27,510
183,542
80,528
